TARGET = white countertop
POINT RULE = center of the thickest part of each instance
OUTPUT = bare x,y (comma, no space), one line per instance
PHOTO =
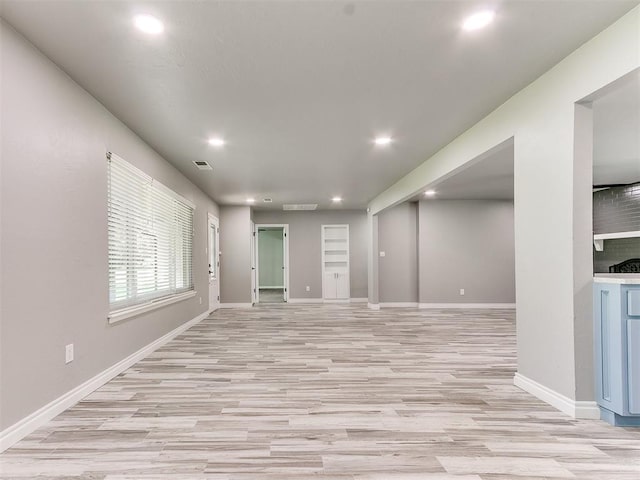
622,278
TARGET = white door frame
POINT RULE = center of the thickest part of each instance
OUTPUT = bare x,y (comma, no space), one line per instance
213,220
254,265
285,227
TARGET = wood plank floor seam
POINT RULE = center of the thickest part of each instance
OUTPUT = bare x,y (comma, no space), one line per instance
329,392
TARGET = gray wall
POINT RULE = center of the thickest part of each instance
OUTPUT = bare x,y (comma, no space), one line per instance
398,269
271,257
466,244
235,254
305,255
54,272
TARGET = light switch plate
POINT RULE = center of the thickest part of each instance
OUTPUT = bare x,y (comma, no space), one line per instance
382,254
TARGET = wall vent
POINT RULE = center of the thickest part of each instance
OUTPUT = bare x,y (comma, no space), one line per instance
300,206
202,165
267,200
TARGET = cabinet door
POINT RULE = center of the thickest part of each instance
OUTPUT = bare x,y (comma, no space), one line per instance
633,365
329,285
342,285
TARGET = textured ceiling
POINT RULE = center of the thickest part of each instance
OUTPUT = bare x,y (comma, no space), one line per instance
300,89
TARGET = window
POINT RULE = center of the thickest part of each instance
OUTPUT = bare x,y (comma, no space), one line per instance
150,239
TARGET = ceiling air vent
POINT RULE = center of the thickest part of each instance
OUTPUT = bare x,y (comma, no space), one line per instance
202,165
300,206
267,200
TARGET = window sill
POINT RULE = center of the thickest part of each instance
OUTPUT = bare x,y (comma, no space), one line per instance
124,313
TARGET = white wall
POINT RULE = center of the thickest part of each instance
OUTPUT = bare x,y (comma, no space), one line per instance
54,271
541,119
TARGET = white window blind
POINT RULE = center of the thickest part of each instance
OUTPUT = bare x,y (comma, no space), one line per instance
150,238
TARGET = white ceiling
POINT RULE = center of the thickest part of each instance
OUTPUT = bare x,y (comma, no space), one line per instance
299,89
616,134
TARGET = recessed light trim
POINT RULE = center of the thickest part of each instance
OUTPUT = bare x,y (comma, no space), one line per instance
383,141
478,20
430,193
148,24
251,200
217,142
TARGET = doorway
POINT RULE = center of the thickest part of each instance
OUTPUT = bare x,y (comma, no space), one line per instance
213,257
272,263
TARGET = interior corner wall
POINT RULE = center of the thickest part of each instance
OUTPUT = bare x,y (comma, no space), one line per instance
54,271
466,244
398,269
235,254
305,248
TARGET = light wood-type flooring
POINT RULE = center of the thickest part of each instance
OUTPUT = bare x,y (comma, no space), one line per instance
326,392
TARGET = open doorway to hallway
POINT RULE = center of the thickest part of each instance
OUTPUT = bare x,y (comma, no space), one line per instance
272,263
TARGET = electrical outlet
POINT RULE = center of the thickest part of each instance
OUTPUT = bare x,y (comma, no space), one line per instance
462,291
308,288
382,254
68,353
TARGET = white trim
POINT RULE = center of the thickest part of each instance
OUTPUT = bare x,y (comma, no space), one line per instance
467,305
214,221
398,304
236,305
16,432
336,300
373,306
128,312
274,287
321,300
573,408
286,286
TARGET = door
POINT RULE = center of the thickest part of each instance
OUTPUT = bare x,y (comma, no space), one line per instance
213,256
342,285
330,286
254,288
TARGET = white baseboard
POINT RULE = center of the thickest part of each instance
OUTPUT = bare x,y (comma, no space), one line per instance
373,306
270,287
359,300
467,305
322,300
398,304
573,408
236,305
16,432
305,300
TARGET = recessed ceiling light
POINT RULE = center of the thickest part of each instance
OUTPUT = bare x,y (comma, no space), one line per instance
382,141
336,199
148,24
216,142
430,193
479,20
251,200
